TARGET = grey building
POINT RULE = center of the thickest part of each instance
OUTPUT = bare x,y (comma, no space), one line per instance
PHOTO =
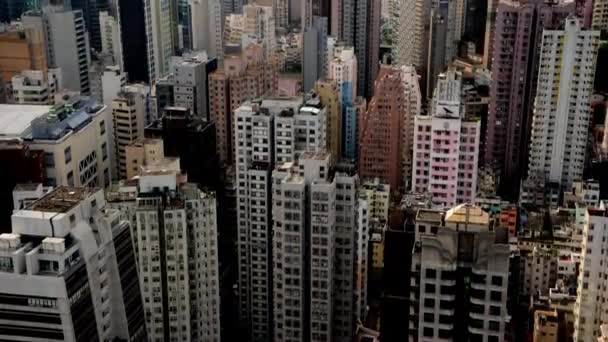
315,52
67,44
186,85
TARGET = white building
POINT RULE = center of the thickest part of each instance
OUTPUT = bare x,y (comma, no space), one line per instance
35,87
446,147
67,272
465,249
562,108
110,37
112,81
161,29
175,230
255,158
206,26
75,135
591,308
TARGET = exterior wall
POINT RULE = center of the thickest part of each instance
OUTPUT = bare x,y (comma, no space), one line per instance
19,53
87,162
558,146
516,50
328,93
128,119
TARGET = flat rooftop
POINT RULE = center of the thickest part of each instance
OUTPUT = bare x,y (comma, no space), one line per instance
61,200
16,120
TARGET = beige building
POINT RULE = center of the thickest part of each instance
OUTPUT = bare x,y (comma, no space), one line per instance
22,49
74,134
545,326
142,152
330,97
245,76
128,115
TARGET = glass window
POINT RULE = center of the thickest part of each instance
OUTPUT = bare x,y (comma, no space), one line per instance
68,154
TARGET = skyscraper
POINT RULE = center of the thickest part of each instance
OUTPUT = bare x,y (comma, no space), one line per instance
343,69
68,271
90,11
137,45
315,52
590,306
110,37
446,147
462,297
357,23
514,78
562,109
319,251
600,15
128,115
201,22
386,129
175,228
67,44
328,93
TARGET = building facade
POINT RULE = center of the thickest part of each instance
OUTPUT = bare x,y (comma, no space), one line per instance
562,108
446,147
71,277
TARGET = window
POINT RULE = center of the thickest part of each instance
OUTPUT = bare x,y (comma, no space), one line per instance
496,296
496,281
68,154
429,288
431,273
494,326
428,332
102,127
495,310
71,178
49,159
429,302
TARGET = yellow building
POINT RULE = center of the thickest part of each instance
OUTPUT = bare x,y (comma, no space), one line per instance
377,194
330,97
22,49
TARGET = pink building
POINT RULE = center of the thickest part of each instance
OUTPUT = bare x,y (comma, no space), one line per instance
446,147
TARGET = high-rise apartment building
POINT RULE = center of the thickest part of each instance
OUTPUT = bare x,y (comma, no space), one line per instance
359,26
319,251
407,21
599,19
315,52
254,137
328,93
246,75
91,10
446,147
128,118
74,134
175,229
386,128
189,82
138,47
22,48
343,69
68,271
459,280
111,42
562,108
204,22
515,59
590,306
35,87
67,44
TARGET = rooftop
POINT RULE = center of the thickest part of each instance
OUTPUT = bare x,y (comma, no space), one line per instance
429,215
16,120
474,215
61,200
